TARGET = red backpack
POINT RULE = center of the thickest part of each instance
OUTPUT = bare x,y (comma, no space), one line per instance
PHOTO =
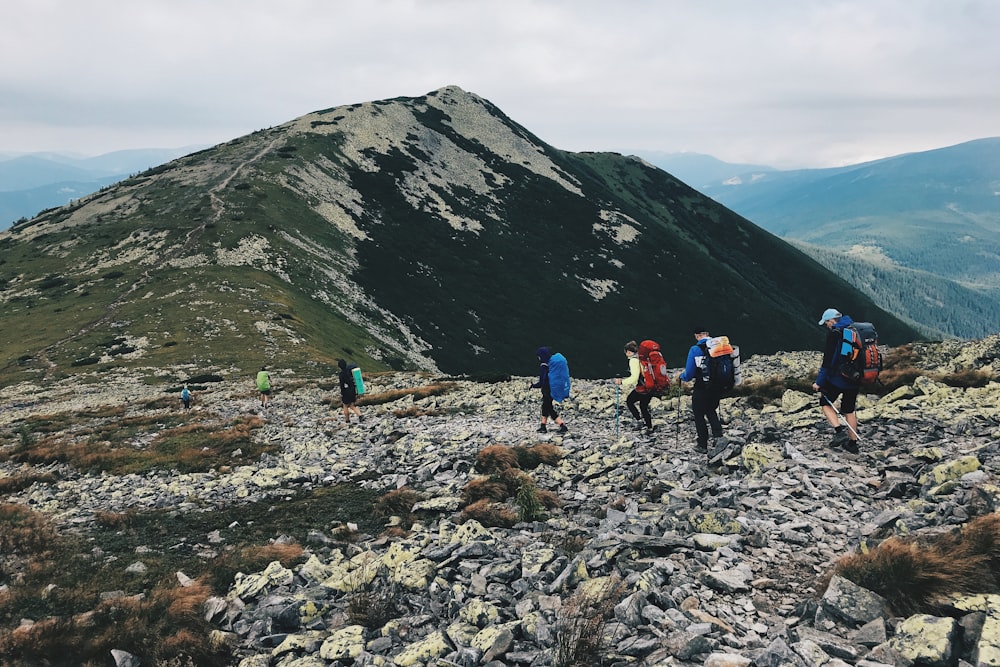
655,380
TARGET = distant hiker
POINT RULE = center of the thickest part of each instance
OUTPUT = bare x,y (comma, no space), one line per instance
264,386
186,397
544,354
630,384
704,396
831,382
349,391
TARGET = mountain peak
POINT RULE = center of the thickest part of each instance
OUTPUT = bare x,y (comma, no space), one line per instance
413,233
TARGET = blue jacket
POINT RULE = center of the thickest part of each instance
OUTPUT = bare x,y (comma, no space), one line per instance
694,363
828,370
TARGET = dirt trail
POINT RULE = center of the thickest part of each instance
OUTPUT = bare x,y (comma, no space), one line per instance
110,312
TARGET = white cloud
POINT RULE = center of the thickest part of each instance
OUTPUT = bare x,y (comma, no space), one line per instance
806,83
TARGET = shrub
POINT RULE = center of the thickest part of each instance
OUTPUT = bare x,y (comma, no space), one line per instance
580,628
919,575
529,506
374,604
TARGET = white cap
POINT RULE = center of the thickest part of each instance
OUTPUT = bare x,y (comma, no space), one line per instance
830,314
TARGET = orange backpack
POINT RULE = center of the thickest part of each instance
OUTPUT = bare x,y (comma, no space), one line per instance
655,378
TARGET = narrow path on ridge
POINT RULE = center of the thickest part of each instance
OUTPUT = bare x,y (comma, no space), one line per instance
218,210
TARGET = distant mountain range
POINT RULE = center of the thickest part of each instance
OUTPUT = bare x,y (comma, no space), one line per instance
920,233
427,233
33,182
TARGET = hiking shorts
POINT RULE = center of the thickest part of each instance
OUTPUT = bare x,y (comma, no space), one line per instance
848,400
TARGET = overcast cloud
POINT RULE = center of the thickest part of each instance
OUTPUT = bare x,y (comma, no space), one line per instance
789,83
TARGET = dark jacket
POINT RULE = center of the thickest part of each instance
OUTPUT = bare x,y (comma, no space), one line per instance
544,354
348,390
829,370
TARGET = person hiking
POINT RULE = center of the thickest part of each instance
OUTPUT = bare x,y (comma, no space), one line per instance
831,384
349,391
186,397
548,410
640,415
704,399
264,386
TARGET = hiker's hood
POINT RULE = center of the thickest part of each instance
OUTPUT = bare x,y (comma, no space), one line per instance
342,364
844,322
543,353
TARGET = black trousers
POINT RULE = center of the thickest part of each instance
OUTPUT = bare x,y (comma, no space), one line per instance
643,400
705,405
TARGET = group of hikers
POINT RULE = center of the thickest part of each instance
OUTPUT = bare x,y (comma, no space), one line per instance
351,387
850,360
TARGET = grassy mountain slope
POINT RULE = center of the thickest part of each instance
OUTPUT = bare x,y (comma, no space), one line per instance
926,224
937,211
933,301
429,232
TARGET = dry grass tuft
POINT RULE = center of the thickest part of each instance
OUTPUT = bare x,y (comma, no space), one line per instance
24,531
919,575
25,480
222,570
490,513
500,458
398,503
496,459
497,487
436,389
548,499
967,377
530,458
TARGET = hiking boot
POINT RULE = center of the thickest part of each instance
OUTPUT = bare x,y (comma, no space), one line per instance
701,447
638,426
851,446
563,428
542,429
650,432
840,438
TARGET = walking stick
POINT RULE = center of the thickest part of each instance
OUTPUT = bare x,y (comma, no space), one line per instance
830,403
677,421
618,391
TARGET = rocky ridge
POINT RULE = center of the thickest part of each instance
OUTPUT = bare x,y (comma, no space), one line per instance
695,564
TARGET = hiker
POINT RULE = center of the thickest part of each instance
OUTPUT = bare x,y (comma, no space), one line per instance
186,398
630,384
544,354
264,386
349,391
704,399
831,383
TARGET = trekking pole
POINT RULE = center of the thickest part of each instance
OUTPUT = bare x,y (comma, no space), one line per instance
830,403
677,420
618,391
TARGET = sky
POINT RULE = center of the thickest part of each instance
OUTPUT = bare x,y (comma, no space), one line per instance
784,83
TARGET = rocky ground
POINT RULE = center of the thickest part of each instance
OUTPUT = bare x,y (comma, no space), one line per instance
694,564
